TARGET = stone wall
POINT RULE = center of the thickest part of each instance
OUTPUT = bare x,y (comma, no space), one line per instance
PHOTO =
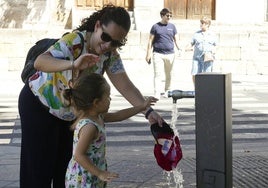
11,14
32,14
240,50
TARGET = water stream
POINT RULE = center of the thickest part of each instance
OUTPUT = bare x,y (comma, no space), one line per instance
174,178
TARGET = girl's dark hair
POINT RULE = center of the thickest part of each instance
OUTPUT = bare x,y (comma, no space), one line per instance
86,88
108,13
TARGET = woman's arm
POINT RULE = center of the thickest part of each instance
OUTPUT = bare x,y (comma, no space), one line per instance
62,56
47,63
128,90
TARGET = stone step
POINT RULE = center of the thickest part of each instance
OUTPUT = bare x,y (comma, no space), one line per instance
263,46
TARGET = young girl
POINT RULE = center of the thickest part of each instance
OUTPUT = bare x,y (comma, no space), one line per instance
90,97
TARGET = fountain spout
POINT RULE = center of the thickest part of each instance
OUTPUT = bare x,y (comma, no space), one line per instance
179,94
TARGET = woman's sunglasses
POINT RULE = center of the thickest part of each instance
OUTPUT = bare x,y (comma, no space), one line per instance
107,38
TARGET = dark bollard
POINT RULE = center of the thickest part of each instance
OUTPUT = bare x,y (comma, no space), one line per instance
213,102
179,94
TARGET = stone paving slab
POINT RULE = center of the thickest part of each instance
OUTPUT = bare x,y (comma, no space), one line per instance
138,168
248,171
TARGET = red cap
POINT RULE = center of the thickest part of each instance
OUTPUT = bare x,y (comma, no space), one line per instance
167,149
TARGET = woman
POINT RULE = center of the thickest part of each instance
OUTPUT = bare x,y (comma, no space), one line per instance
204,46
46,145
160,49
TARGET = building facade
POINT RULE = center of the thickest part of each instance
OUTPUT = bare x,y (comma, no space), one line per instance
241,27
43,12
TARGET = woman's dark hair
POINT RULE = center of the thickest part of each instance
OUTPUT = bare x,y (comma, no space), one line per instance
108,13
86,88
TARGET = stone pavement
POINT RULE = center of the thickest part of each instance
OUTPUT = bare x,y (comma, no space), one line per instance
132,157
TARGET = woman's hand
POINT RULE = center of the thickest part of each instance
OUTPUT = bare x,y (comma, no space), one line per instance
107,176
86,61
154,117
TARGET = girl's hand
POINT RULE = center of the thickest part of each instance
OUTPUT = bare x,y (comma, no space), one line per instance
86,61
150,101
107,176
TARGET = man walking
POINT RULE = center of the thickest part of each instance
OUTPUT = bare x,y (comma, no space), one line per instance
160,51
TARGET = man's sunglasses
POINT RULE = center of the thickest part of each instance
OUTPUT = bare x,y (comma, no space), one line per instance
107,38
169,15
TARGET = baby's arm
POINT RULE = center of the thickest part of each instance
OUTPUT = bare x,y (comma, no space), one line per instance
86,136
128,112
